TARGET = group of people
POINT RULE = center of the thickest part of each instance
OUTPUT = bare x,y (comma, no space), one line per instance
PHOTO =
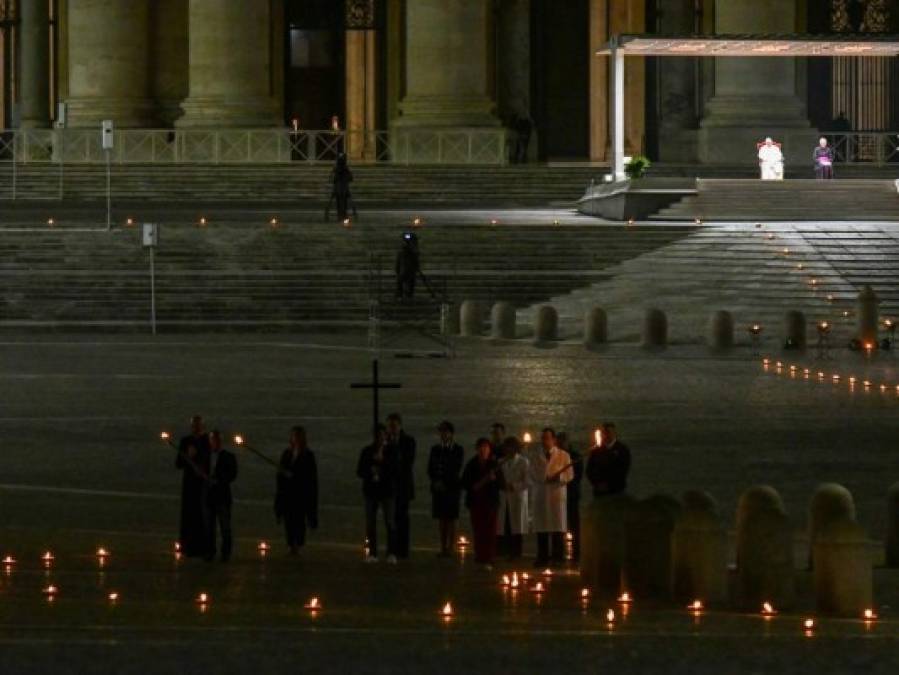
510,488
209,470
771,160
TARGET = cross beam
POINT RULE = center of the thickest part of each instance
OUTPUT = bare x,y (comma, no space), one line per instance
376,386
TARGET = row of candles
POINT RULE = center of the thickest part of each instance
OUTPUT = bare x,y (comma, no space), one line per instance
509,582
795,371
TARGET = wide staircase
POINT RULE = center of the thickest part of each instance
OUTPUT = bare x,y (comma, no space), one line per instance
724,200
295,275
299,182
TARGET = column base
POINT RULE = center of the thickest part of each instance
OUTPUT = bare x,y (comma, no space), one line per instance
218,112
126,114
447,111
756,111
737,145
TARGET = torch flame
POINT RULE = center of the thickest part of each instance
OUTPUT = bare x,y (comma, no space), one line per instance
597,437
527,438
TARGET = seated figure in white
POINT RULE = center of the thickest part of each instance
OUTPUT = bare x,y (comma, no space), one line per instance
771,160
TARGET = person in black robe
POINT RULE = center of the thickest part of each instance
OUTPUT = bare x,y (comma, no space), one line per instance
341,177
523,127
404,449
609,464
444,468
823,158
193,462
222,472
573,503
407,266
296,496
377,467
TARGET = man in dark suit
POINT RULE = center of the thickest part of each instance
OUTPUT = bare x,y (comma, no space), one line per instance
222,472
296,500
609,464
404,450
193,462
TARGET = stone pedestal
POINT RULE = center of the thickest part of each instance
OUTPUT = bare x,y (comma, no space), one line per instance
596,327
844,574
109,63
471,319
868,305
449,66
603,541
502,321
546,325
755,97
830,503
699,552
230,66
34,92
648,547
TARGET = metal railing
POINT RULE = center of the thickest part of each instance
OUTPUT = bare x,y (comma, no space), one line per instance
254,146
865,147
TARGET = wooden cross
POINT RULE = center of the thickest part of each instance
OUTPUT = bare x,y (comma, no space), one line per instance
376,386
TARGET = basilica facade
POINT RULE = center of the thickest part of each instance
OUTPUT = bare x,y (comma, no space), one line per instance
406,64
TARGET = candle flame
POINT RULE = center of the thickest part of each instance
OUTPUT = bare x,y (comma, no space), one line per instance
51,590
514,583
585,593
238,439
527,438
263,546
610,616
624,598
113,596
203,598
808,624
695,606
314,604
869,615
547,572
47,557
768,609
9,560
597,437
165,435
102,553
538,587
447,610
177,546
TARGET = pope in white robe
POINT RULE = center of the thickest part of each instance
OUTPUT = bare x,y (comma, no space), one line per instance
771,160
513,500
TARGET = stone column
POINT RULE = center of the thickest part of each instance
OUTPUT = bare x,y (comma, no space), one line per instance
449,63
361,93
34,95
599,82
109,63
230,65
170,57
626,16
755,97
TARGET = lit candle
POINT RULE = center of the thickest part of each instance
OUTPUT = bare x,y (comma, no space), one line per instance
768,609
547,572
447,611
165,435
835,378
867,384
514,583
610,616
263,548
203,221
766,362
585,594
462,542
346,222
525,576
809,625
113,597
786,251
493,221
869,615
527,438
9,561
698,221
800,266
203,599
597,437
51,591
883,388
129,222
416,222
805,372
630,221
314,605
624,598
238,440
177,547
51,222
47,558
505,581
538,587
102,553
695,606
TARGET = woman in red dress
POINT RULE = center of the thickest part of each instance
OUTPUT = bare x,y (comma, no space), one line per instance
482,483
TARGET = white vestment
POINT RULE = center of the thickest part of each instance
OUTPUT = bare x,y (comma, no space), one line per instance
514,502
771,162
549,501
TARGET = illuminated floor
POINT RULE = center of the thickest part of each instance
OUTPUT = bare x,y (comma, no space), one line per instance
81,467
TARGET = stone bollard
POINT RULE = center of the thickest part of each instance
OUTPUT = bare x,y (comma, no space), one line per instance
868,308
471,321
764,551
721,330
596,326
844,569
795,330
449,319
892,537
699,552
503,321
655,328
546,324
647,557
831,502
603,543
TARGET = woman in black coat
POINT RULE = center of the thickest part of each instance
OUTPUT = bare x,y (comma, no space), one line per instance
296,498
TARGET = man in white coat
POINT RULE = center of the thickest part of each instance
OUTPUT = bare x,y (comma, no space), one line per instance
551,471
512,522
771,160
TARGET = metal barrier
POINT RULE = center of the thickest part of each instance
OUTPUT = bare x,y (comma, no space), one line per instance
255,146
875,148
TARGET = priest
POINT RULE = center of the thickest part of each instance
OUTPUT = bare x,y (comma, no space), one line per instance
823,158
193,462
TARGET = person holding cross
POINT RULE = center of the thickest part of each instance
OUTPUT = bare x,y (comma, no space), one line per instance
551,471
378,468
296,496
404,448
